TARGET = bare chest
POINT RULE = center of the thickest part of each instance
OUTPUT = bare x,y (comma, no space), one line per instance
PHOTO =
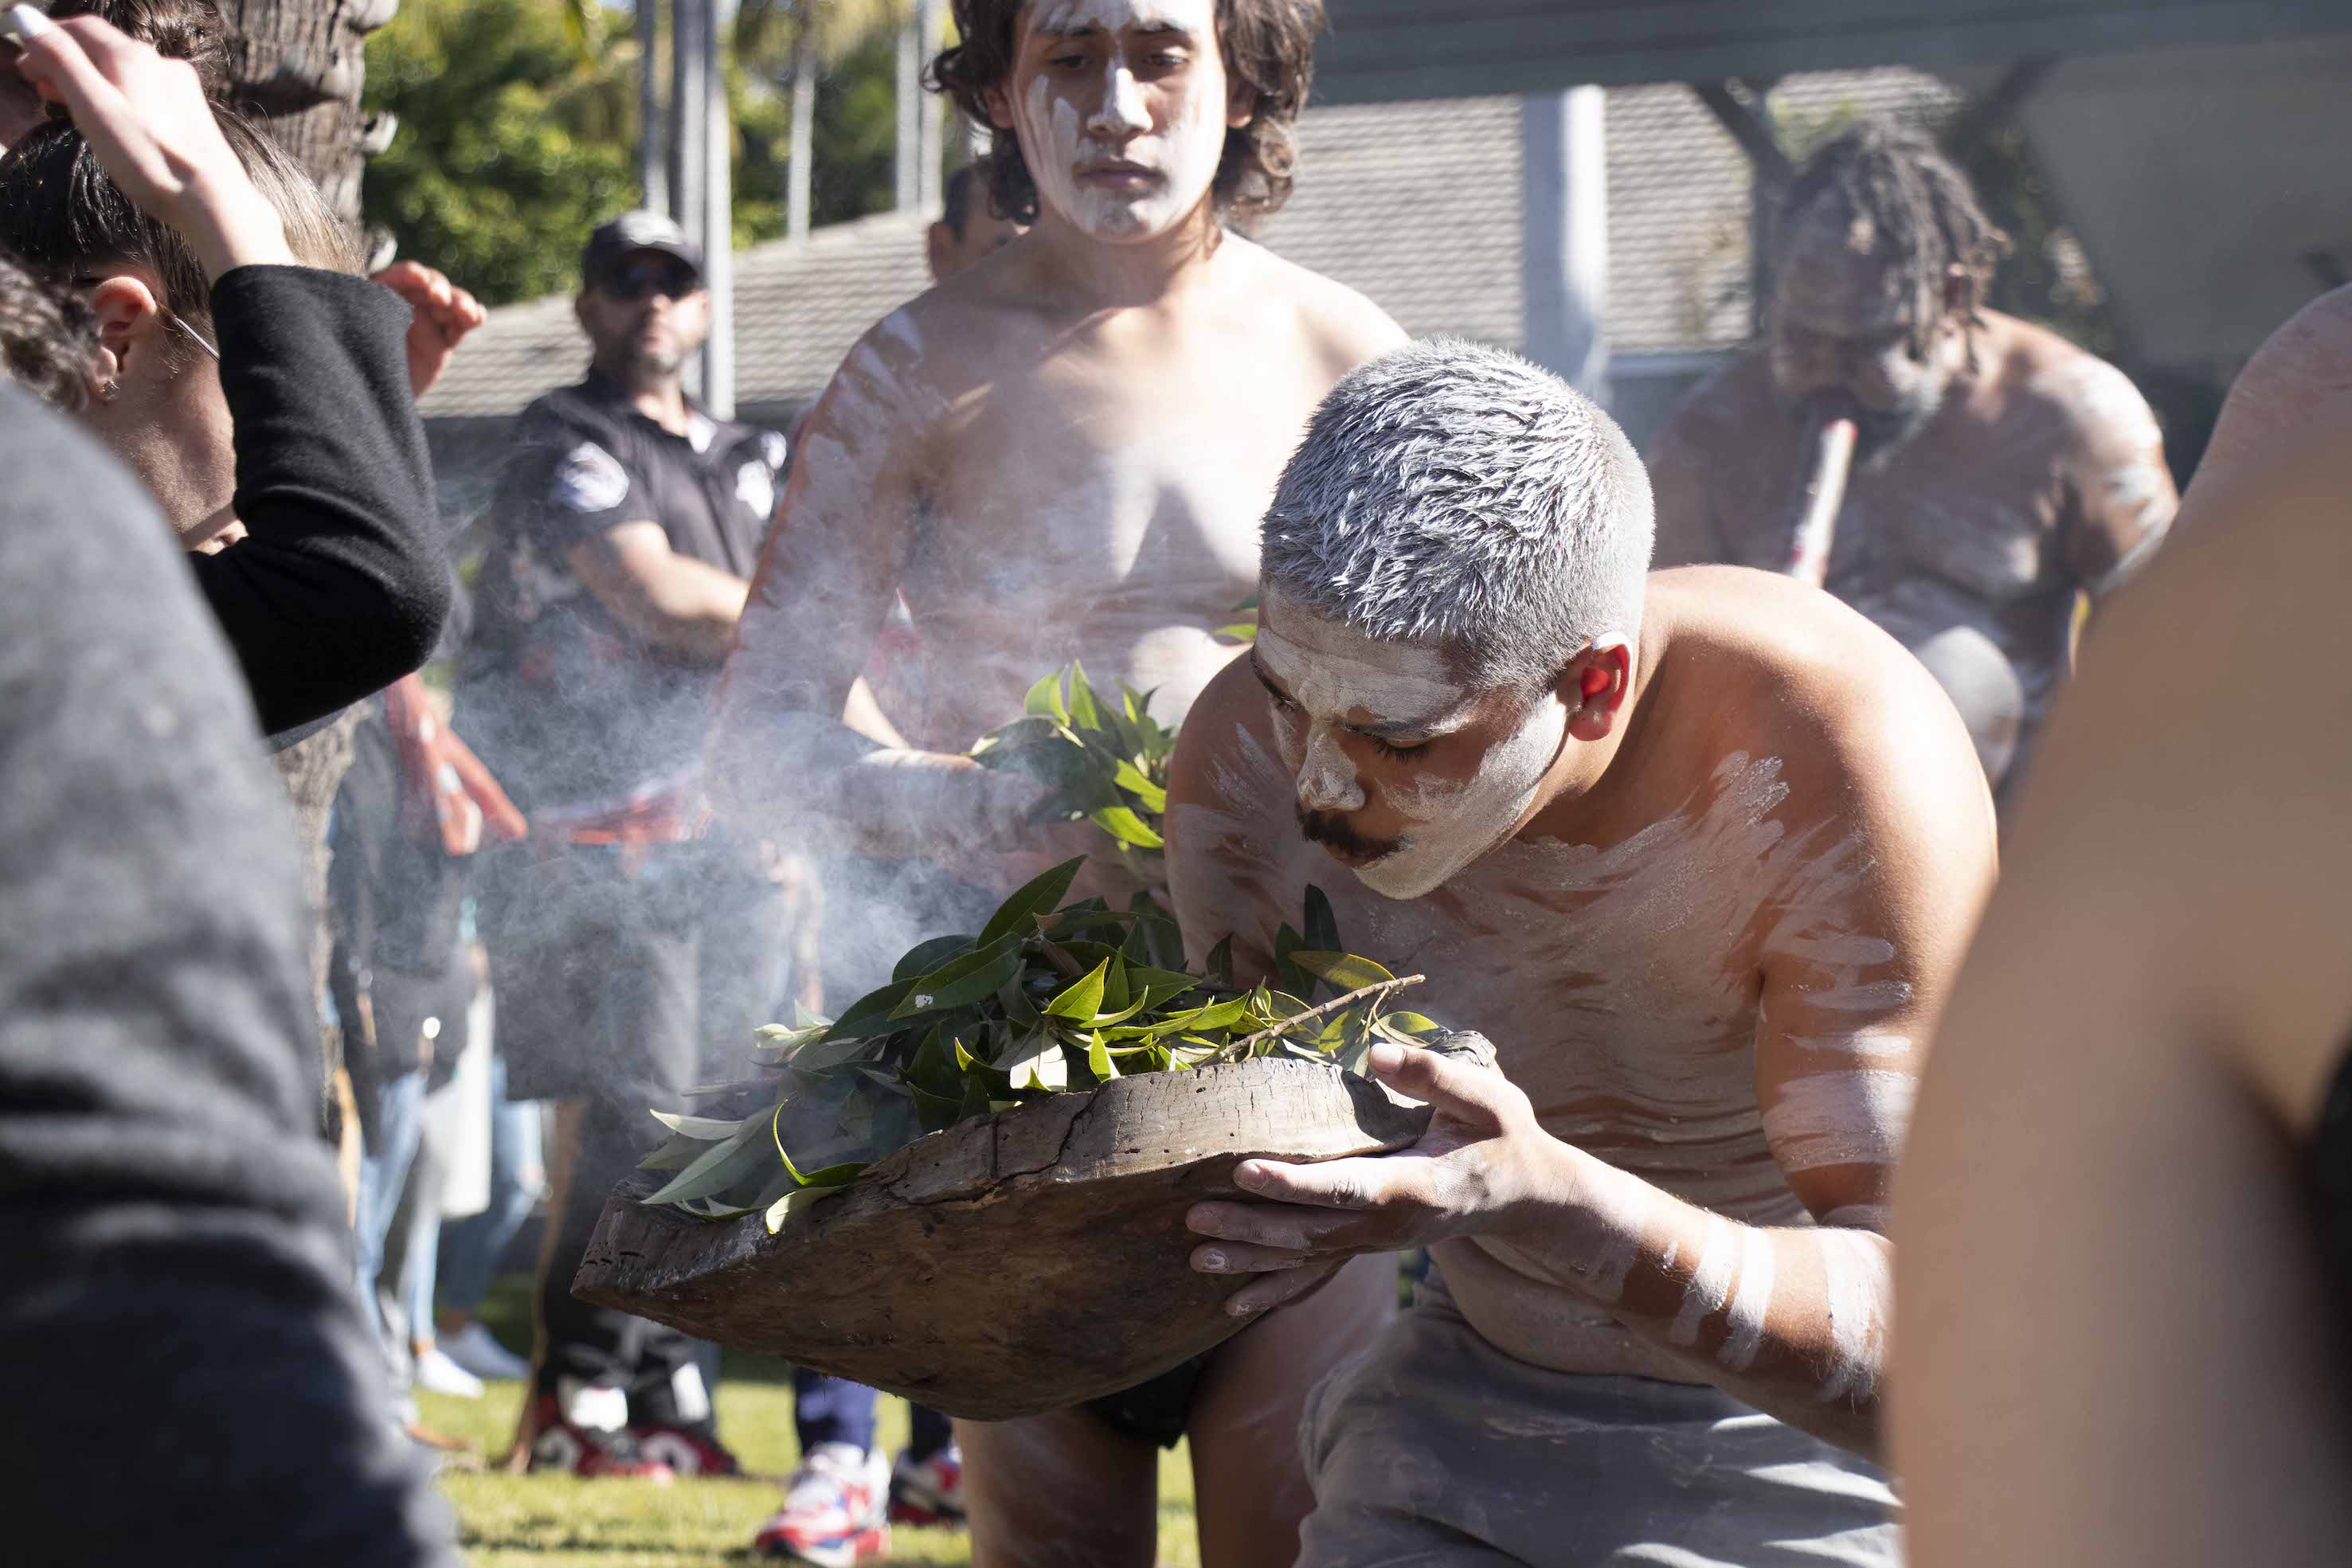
1620,986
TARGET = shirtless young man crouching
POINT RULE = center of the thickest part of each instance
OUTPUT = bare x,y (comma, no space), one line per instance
1698,852
1063,452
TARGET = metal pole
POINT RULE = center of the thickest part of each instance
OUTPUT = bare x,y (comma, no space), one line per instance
908,146
797,171
930,176
717,227
653,158
1564,165
695,85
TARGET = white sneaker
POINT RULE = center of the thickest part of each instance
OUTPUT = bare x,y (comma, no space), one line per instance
472,1348
436,1373
836,1509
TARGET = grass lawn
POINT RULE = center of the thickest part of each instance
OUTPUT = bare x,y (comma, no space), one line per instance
555,1521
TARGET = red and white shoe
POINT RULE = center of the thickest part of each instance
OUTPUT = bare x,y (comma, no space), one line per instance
927,1491
559,1445
686,1451
833,1513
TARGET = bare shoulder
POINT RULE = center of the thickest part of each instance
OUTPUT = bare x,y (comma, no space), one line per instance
1224,722
2050,379
1719,416
1789,671
1341,325
2302,373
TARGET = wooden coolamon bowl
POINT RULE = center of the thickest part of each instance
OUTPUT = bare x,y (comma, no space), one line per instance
1010,1265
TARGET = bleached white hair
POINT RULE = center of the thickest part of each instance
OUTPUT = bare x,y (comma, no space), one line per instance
1458,496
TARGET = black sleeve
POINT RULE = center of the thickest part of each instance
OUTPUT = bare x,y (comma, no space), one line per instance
191,1378
341,584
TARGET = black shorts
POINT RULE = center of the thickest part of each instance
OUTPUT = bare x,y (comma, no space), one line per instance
1157,1411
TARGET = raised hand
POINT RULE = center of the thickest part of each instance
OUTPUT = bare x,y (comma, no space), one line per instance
441,315
149,122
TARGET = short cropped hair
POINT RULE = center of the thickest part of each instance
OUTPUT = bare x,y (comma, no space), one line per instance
48,342
1268,46
1459,497
64,215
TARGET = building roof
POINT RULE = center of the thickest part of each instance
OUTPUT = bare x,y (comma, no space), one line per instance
1414,205
1389,49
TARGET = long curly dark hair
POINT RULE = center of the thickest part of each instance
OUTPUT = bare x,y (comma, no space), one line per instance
1268,46
1925,214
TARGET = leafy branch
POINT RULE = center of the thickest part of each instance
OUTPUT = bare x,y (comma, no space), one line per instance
1045,1001
1105,762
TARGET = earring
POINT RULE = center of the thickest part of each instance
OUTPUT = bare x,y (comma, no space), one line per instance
108,390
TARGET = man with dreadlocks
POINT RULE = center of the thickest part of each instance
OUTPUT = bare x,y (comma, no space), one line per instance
2001,475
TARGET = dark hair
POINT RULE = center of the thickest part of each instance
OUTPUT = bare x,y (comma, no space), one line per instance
190,30
63,214
49,341
957,201
1268,46
1923,213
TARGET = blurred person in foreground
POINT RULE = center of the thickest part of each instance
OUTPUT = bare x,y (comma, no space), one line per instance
2001,475
2127,1216
1059,453
176,1316
268,407
1699,852
624,940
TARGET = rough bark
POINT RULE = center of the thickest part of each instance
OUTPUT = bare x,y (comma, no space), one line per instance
298,65
1012,1264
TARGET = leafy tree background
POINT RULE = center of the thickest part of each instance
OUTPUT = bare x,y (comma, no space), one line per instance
516,137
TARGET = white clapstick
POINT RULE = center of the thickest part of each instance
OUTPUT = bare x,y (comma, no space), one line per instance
1816,530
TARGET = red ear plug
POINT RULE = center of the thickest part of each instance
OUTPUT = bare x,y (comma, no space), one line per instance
1595,682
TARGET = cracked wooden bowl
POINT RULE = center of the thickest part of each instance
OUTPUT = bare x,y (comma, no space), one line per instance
1011,1265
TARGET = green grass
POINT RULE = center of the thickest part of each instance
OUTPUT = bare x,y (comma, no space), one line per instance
556,1522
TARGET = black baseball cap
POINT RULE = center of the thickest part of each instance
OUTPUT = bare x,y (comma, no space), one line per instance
634,232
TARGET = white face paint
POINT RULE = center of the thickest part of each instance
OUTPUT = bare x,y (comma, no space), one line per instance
1341,679
1122,146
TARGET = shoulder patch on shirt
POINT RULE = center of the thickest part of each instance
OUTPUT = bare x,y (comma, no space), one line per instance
589,480
755,487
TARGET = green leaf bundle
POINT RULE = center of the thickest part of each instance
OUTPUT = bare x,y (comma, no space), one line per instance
1104,761
1043,1000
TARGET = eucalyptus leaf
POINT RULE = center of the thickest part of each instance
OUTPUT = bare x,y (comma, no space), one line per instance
1037,897
1083,999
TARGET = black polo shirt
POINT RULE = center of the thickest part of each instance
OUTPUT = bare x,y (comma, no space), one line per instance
565,705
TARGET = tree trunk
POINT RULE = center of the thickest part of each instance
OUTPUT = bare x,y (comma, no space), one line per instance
298,64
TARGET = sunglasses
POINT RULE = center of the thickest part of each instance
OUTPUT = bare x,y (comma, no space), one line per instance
643,278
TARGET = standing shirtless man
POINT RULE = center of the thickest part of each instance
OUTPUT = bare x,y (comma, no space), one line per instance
1700,853
2000,474
1063,452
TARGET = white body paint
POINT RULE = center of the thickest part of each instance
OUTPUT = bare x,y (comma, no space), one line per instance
1338,677
1620,986
1068,122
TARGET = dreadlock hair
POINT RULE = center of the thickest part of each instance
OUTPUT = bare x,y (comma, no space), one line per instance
1923,214
49,339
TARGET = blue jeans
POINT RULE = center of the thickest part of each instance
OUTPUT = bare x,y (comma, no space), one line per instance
383,1174
471,1247
828,1409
